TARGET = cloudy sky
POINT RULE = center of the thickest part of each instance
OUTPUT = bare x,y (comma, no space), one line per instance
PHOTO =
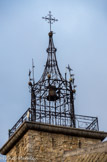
80,39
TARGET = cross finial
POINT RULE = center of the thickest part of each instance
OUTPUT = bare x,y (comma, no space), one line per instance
69,68
50,19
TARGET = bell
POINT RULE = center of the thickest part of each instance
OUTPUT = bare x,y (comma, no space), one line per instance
52,94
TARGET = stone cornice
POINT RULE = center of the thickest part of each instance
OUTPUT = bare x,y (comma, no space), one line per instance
51,129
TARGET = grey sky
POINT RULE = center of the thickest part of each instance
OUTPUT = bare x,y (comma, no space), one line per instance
80,39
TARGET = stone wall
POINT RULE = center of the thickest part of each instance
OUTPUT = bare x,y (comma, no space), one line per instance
19,151
94,153
40,146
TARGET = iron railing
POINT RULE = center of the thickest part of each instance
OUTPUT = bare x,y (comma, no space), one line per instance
82,122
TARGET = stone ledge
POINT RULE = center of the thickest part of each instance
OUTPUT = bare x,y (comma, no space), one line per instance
51,129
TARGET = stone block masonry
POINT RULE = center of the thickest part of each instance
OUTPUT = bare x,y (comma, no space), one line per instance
45,146
47,143
94,153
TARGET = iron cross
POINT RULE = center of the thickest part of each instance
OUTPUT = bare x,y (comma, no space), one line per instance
69,68
50,19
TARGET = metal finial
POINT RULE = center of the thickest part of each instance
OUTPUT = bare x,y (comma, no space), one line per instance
33,71
50,19
69,68
29,75
71,75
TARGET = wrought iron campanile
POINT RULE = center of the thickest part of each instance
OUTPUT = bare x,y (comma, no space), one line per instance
52,97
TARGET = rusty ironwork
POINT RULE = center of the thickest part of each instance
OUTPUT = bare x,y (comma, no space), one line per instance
81,122
52,97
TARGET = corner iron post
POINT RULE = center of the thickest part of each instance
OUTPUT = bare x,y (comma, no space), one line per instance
32,90
33,104
72,113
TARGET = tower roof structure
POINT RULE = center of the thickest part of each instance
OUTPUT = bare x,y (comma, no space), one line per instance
52,97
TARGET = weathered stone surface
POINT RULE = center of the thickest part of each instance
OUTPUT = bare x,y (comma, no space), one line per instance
50,129
94,153
43,146
46,143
